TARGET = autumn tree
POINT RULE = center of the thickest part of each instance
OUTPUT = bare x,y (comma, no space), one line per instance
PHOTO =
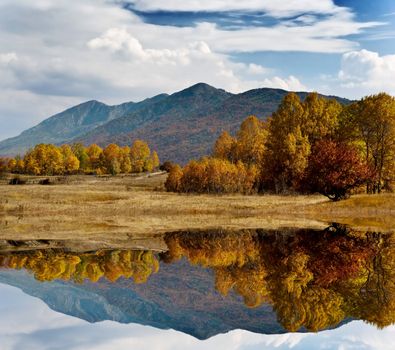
285,140
3,165
293,130
94,153
71,164
140,157
81,153
155,160
335,169
112,155
371,124
224,147
250,141
320,118
173,181
44,159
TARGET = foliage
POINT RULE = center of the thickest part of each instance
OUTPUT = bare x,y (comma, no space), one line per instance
293,130
167,166
370,123
334,169
48,159
213,175
140,156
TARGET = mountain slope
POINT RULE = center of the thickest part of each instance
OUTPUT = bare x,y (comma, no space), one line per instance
69,124
181,126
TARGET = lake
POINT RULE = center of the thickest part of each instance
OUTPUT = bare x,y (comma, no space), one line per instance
203,289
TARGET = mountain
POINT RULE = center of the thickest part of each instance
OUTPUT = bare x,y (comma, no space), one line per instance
180,126
180,296
71,123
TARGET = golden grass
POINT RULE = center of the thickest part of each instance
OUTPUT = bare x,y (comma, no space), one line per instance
122,207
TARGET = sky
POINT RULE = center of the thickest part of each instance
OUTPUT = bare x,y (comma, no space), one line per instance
28,323
58,53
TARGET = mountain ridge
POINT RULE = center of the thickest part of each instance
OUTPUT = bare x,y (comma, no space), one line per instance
179,126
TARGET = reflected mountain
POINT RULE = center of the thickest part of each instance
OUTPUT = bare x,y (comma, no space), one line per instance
210,282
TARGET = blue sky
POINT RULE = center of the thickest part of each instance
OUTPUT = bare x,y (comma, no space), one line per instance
58,53
28,323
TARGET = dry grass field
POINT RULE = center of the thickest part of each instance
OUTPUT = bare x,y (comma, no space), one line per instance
121,209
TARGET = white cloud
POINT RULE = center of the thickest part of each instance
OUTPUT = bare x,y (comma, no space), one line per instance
291,83
70,50
366,72
119,40
27,323
6,58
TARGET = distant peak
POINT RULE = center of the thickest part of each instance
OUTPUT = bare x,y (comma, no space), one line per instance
91,102
200,88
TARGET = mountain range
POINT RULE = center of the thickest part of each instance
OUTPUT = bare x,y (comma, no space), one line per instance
179,126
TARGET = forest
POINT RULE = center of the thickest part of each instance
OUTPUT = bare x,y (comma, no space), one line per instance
48,159
311,146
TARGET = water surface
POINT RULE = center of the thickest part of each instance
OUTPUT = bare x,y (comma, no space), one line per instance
216,285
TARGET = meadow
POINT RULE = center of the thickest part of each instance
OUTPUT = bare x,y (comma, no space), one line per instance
118,210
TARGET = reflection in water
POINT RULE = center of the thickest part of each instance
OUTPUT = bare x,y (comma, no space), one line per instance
312,279
48,265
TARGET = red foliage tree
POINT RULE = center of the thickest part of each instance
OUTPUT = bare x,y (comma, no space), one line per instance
334,169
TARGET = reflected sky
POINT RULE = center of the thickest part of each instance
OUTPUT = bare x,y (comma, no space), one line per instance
43,329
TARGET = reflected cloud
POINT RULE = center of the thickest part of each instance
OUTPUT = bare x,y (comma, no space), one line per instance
44,329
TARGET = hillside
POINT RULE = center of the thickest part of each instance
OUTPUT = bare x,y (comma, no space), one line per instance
71,123
181,126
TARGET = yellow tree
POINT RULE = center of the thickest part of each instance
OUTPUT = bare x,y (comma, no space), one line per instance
155,160
94,152
11,165
71,164
112,156
320,118
140,157
283,142
374,119
173,181
251,139
44,159
125,163
224,147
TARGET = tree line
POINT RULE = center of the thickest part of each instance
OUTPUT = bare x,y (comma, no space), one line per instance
315,145
48,159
